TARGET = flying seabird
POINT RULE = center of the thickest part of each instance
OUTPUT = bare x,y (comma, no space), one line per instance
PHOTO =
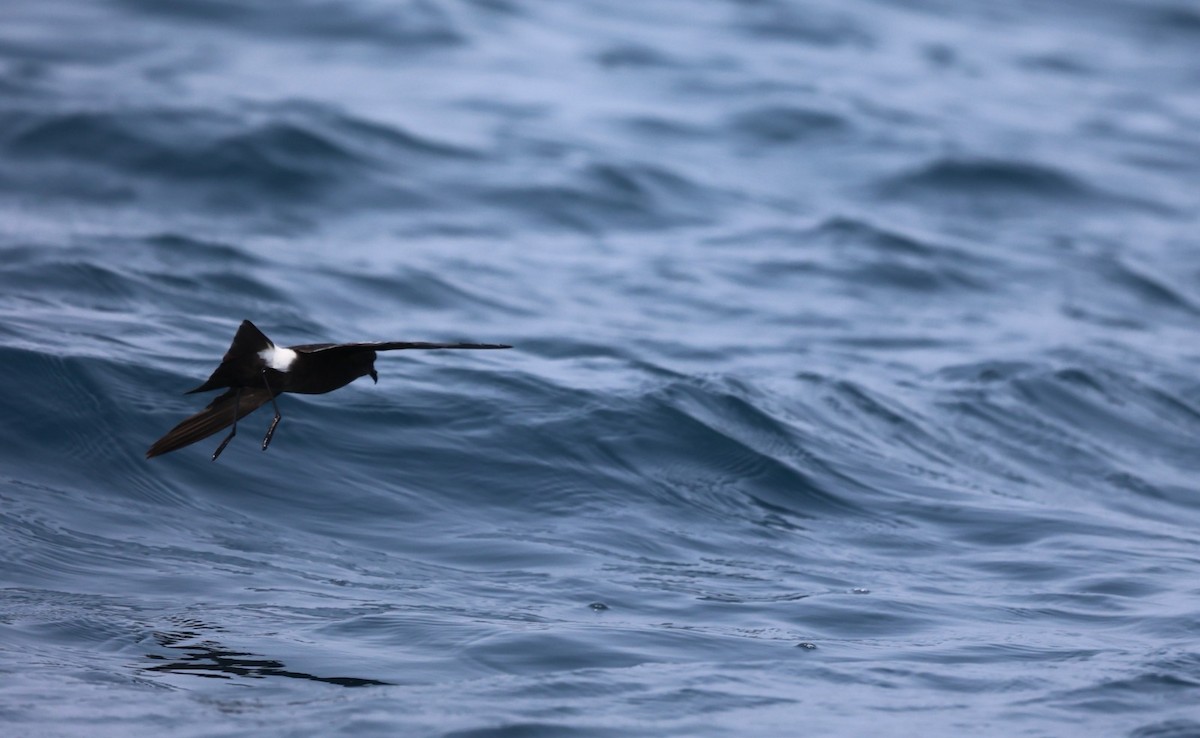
255,371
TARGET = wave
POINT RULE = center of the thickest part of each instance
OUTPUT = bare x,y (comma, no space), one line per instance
782,21
420,22
603,196
189,273
1018,185
290,156
990,177
1103,424
784,124
857,254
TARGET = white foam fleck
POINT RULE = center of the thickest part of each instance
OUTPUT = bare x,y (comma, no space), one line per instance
278,358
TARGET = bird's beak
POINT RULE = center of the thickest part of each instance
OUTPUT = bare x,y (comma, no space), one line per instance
374,376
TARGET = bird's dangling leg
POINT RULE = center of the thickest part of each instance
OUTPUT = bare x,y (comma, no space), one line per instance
237,401
278,417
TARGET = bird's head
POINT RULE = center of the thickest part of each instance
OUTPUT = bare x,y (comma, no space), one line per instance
362,364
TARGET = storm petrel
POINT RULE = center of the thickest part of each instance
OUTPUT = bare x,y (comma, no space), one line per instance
255,370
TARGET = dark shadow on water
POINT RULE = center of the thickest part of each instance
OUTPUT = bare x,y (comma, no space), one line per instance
209,659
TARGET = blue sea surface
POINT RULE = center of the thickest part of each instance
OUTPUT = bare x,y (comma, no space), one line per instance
855,389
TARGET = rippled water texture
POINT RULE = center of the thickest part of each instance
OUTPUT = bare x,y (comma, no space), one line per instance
854,391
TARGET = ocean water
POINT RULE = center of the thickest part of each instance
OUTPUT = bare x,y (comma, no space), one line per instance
855,389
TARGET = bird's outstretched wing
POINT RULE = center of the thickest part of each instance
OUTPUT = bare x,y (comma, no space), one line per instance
392,346
216,417
248,341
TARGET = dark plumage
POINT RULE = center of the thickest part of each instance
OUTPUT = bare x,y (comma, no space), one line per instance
255,371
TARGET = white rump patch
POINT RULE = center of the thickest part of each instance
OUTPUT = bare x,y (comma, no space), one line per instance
277,358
